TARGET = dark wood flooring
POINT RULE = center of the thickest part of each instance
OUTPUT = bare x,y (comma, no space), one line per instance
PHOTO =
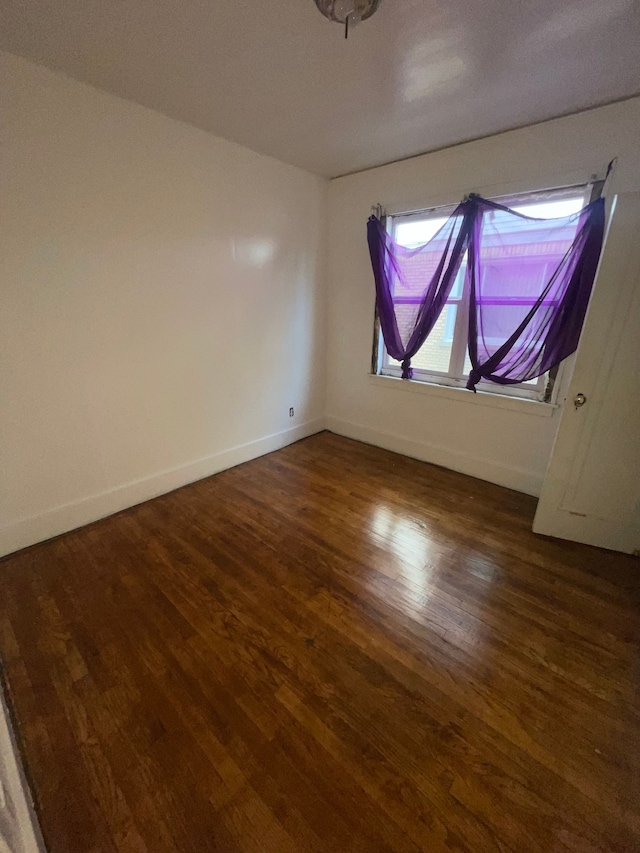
331,648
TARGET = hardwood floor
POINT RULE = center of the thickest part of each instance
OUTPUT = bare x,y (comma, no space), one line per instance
331,648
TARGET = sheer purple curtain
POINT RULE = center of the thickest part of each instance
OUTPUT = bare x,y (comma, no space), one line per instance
529,286
529,282
412,284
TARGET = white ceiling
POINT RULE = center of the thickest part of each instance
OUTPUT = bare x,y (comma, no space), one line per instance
276,76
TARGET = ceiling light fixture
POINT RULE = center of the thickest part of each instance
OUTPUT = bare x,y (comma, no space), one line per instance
347,12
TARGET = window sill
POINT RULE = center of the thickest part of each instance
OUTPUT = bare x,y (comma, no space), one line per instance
461,395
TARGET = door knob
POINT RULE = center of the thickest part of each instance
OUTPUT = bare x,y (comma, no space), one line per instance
579,400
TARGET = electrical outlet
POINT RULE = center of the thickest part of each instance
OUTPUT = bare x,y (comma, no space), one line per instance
291,412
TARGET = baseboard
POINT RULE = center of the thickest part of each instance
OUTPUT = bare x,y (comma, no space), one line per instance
513,478
38,528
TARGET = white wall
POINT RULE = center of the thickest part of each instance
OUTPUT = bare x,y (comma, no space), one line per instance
161,304
508,443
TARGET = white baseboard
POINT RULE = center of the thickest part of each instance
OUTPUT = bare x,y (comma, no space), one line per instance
38,528
28,531
513,478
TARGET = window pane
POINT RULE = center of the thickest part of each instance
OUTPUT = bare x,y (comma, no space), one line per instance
417,232
419,268
406,316
436,350
518,258
500,278
467,370
420,263
458,284
501,320
520,261
550,209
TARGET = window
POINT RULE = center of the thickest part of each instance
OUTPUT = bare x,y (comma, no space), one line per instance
444,358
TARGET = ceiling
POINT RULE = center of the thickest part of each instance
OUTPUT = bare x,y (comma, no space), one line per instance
277,77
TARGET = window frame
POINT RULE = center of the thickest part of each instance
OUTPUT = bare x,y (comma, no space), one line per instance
546,388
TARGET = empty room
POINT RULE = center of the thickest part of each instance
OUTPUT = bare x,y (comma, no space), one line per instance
319,426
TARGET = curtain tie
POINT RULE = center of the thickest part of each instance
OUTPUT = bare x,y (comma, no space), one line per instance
474,377
407,370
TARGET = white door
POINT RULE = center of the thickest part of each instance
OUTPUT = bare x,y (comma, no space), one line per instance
19,831
592,489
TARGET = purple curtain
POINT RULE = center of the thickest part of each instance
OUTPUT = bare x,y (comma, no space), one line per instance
529,286
412,284
528,280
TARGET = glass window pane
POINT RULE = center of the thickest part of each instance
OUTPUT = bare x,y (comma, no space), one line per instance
527,280
414,233
436,350
406,313
458,284
550,209
467,370
518,259
519,256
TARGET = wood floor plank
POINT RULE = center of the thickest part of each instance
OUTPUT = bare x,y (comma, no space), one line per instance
330,648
